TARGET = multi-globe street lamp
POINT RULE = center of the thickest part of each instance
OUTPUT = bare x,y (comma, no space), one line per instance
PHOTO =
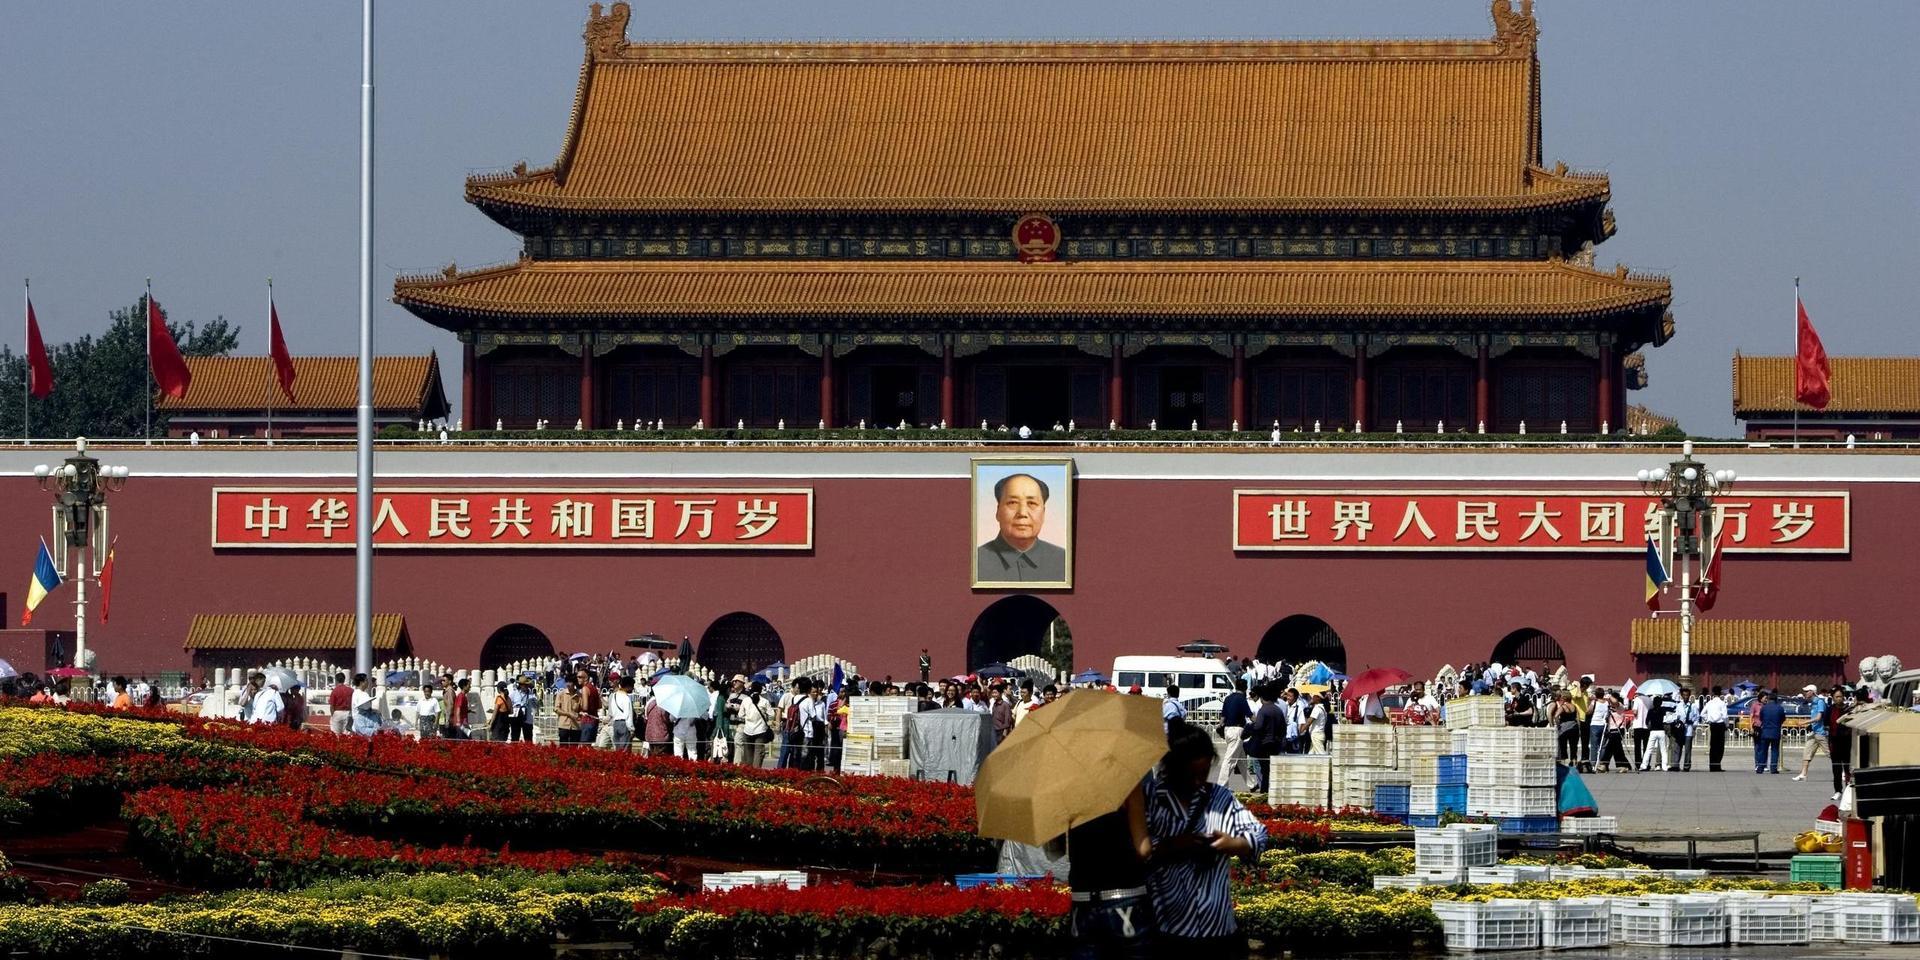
1686,489
80,486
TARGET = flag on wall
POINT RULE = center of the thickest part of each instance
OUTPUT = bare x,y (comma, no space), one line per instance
39,367
45,579
163,355
1710,589
277,348
1656,575
1811,377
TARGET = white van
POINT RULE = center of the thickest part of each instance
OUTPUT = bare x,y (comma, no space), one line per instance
1203,681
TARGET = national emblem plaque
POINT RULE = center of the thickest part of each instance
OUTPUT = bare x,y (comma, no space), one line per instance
1036,239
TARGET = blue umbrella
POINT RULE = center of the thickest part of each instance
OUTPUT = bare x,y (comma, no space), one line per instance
1319,673
681,696
996,671
762,677
1745,686
1089,676
1658,688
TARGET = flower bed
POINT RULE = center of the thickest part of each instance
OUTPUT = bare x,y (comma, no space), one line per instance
854,921
439,914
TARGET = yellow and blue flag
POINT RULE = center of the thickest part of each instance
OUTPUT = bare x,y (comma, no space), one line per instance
1656,575
45,578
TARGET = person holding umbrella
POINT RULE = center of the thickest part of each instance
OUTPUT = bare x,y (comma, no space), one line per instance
1197,826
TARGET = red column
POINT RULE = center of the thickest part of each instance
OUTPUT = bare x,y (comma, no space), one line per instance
826,383
706,385
1482,405
1360,394
482,415
1237,396
586,385
1117,391
468,412
946,386
1603,407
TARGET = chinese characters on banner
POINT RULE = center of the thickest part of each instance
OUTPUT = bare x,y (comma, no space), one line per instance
547,518
1437,520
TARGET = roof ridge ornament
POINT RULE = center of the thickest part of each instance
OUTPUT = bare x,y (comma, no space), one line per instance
1514,31
606,34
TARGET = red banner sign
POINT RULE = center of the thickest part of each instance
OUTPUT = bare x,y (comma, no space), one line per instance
1458,520
641,518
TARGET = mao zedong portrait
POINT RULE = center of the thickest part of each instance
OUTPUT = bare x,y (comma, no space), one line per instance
1018,554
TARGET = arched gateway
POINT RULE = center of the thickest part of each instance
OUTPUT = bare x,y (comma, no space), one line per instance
739,643
513,643
1300,638
1015,626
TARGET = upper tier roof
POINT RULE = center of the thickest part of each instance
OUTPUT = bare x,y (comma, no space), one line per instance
1318,290
1011,128
320,384
1858,385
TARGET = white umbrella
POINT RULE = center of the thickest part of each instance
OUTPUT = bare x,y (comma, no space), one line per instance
7,670
282,677
681,696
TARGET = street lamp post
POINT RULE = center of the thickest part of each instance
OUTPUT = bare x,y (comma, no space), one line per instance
80,486
1686,489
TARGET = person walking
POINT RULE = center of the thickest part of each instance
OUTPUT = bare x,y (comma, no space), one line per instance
1766,734
1640,728
1619,722
1655,727
1196,827
591,704
620,715
1816,740
1581,696
659,729
1839,741
1266,736
1235,712
500,727
1688,725
1112,909
1713,713
567,708
1319,724
719,745
1597,727
1171,708
1001,708
366,716
815,724
340,706
429,713
268,705
459,726
755,727
294,711
1564,718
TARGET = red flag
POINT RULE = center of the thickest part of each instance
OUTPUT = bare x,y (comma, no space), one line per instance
1710,590
169,371
39,368
277,348
106,580
1810,373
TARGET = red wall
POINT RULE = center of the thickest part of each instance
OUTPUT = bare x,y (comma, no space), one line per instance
889,575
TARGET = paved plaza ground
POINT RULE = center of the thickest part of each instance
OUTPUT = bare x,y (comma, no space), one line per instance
1734,800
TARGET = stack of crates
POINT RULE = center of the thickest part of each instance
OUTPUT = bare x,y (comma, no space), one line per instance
1465,713
1420,751
1359,783
1443,855
876,740
1366,755
1446,793
1511,775
1300,781
1866,918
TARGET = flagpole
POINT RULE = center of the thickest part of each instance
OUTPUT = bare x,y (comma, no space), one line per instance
363,440
26,372
272,379
146,390
1796,361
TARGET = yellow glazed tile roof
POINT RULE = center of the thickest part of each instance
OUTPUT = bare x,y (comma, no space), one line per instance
1333,288
289,631
1013,128
1760,638
1859,385
320,383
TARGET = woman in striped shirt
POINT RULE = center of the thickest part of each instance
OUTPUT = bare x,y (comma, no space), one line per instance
1196,827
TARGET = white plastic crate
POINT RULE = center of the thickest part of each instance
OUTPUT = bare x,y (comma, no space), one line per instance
1357,784
1576,922
1570,874
1779,920
1455,848
1685,874
1493,925
1423,800
1420,769
1866,918
1440,876
1423,744
1661,920
1584,825
1527,772
1472,712
1408,882
1300,769
1348,751
1508,743
1510,874
1484,801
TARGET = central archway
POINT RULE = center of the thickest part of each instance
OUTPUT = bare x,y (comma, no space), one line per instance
739,643
1300,638
513,643
1017,626
1530,648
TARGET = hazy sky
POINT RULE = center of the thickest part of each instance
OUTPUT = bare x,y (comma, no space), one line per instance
213,144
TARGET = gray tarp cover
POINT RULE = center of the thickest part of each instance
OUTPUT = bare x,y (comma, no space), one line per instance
949,744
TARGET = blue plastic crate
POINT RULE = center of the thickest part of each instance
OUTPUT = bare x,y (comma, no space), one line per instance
1391,798
1529,824
1451,769
1423,820
1450,798
968,881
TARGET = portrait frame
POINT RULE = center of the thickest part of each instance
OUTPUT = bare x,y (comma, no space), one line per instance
1055,541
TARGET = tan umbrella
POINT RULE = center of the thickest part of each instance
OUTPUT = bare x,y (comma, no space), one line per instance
1066,763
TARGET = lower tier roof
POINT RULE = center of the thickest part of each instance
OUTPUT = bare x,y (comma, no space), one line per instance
1346,289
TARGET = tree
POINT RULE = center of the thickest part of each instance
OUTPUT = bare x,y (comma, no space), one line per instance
99,382
1060,646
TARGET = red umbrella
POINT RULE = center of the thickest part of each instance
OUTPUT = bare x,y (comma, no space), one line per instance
1374,681
64,672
